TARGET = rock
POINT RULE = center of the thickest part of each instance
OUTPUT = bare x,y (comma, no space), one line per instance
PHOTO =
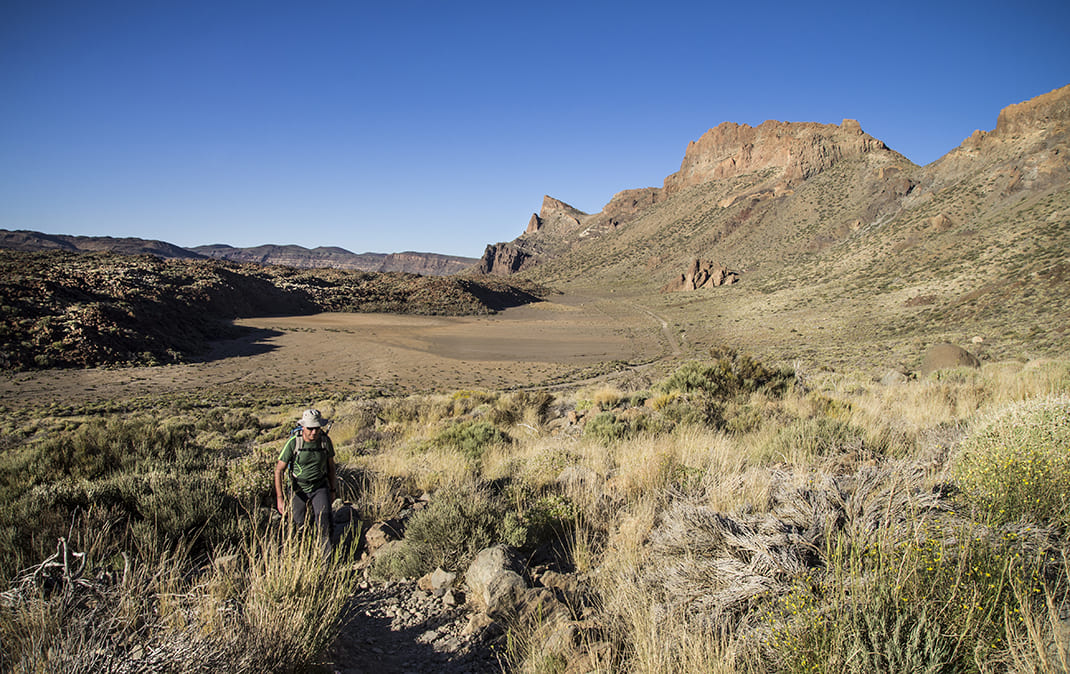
562,639
493,586
436,582
504,258
701,274
894,378
534,224
344,513
441,580
379,534
943,356
477,622
798,150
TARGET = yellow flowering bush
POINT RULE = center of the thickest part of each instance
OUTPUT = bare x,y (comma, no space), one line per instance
1016,463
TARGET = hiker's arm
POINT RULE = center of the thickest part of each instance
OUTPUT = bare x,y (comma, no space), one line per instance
332,477
280,500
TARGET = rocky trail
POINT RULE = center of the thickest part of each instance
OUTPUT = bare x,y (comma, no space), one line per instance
396,627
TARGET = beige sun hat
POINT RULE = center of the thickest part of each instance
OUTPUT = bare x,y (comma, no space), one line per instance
312,419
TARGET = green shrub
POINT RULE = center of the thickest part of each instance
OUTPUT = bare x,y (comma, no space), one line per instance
729,374
874,633
544,521
606,428
810,438
472,438
1016,463
448,533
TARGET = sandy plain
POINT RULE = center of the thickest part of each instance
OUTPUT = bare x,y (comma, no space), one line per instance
539,345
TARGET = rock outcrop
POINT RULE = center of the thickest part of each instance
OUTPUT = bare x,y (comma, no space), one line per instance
504,258
796,150
701,274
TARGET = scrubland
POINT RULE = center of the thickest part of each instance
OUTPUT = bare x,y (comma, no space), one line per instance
732,516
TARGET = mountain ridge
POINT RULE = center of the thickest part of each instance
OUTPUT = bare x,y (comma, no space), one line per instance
323,257
736,178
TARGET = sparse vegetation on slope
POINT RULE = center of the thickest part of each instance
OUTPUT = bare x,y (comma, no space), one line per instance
815,522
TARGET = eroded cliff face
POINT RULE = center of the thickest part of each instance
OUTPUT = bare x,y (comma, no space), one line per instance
504,258
796,150
1028,150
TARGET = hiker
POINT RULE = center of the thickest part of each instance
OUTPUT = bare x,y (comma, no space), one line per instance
309,455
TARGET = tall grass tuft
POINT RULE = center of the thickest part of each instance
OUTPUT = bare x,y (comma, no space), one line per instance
275,604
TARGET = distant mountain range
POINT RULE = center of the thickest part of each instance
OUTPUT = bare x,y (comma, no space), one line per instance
426,264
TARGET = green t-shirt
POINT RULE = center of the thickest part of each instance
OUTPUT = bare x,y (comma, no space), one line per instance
310,468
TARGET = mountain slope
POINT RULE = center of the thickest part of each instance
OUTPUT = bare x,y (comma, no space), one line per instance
827,225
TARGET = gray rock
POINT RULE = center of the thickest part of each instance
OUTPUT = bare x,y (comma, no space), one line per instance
493,585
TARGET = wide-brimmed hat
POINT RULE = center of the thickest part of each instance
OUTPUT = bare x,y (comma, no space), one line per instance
312,419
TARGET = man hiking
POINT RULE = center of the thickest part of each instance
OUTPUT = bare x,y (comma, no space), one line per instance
309,455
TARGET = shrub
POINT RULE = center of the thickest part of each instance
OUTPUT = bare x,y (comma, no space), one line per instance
609,427
806,439
472,438
729,375
548,519
1016,463
448,533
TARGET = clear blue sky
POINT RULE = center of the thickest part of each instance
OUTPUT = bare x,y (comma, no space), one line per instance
438,126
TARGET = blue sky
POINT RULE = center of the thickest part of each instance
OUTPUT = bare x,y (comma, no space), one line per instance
438,127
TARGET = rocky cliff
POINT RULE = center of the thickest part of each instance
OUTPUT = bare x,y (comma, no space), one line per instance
794,151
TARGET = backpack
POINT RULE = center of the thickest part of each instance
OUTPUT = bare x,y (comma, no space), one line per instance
299,446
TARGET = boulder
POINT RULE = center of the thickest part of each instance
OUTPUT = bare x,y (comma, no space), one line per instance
894,378
493,584
941,356
379,534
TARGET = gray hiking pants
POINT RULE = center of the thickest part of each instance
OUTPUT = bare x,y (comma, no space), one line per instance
319,501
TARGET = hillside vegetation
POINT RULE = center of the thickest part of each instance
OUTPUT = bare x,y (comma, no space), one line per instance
731,517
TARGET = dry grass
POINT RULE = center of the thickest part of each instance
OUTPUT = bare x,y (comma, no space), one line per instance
721,546
273,604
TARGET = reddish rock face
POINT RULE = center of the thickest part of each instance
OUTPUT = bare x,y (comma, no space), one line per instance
798,149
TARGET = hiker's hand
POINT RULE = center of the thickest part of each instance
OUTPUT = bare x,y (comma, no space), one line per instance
280,505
